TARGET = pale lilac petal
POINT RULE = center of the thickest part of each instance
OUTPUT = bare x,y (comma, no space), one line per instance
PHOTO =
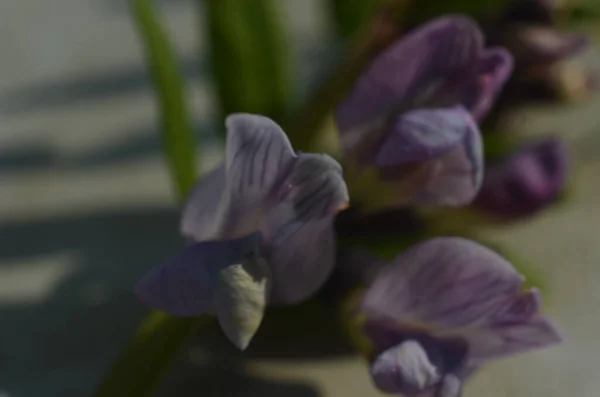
446,282
184,286
201,209
257,152
411,71
480,88
421,135
505,339
445,149
450,287
299,229
524,307
456,177
404,369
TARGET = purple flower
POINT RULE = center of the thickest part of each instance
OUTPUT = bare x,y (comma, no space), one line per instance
411,117
261,226
525,182
441,310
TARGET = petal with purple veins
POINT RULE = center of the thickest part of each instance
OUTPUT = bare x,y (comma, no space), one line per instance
451,287
411,71
299,232
444,283
503,339
435,156
201,209
258,153
185,285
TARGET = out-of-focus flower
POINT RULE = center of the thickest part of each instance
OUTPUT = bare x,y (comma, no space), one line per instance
525,182
262,232
543,53
408,129
441,310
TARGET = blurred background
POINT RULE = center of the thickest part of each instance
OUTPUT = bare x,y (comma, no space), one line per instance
86,207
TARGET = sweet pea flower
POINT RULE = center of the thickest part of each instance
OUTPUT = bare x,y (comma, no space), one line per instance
410,123
441,310
261,226
526,181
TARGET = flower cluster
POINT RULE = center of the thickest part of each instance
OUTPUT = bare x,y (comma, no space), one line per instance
261,225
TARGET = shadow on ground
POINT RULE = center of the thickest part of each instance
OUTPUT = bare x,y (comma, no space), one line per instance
57,345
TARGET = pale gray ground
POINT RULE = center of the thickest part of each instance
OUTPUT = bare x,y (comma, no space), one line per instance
86,207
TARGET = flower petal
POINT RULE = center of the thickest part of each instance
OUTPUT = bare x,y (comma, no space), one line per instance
446,282
298,232
241,298
258,153
448,354
404,369
450,386
448,145
411,71
184,286
505,339
450,287
479,89
422,135
201,210
525,182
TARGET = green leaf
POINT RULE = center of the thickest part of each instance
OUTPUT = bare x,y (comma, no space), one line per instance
248,51
168,82
350,16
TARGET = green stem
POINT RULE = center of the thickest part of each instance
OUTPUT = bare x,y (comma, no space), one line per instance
248,51
138,369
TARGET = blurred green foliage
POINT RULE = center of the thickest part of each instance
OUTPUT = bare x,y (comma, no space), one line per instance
350,16
137,370
248,47
176,127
